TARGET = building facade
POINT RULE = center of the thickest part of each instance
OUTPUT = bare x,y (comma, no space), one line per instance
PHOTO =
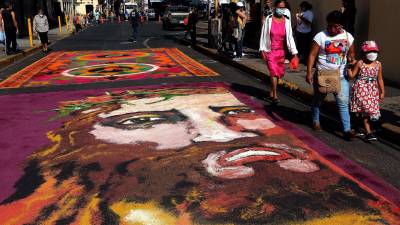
86,6
25,9
67,7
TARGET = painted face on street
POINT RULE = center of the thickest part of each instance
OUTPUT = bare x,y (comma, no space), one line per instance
172,156
180,121
185,120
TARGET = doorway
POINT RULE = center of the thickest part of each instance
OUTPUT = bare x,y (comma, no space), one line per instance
89,8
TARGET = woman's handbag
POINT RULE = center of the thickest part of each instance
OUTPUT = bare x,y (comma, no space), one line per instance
328,81
294,64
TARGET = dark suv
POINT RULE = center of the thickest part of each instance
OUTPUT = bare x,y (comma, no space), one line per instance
174,17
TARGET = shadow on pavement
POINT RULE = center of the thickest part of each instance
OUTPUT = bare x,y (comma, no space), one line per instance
299,117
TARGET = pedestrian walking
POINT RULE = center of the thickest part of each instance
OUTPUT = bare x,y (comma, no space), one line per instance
226,33
126,13
117,6
349,11
231,23
277,34
10,28
112,16
304,30
368,89
77,23
41,27
97,16
85,20
268,9
193,19
239,30
334,49
134,19
2,33
187,27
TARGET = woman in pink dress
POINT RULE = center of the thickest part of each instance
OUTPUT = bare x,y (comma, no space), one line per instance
276,35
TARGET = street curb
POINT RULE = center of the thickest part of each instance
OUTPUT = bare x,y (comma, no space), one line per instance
389,131
13,58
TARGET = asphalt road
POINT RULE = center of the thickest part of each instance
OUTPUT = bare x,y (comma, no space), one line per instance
380,158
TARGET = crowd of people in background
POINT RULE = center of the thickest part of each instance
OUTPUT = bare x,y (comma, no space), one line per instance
83,20
234,20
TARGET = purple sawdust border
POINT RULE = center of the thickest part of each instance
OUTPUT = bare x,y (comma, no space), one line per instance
363,177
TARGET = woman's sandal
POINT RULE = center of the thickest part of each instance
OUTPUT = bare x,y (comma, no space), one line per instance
275,101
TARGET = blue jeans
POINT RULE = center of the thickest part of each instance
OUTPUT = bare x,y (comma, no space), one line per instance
342,102
239,43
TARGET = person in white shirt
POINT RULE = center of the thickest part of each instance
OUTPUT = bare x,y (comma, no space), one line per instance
97,16
304,30
334,49
41,27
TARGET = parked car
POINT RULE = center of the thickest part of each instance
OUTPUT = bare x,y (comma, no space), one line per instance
151,14
174,17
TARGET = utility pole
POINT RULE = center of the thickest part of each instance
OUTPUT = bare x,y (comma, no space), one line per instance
216,2
107,10
124,6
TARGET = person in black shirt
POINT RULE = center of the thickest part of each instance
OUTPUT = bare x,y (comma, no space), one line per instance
349,11
225,28
268,9
193,19
134,18
117,7
10,28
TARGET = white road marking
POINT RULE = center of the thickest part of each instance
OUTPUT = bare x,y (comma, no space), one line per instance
207,61
146,41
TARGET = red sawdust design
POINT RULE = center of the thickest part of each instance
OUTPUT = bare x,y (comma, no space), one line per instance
80,67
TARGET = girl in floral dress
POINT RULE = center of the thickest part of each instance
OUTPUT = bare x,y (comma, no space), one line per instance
368,88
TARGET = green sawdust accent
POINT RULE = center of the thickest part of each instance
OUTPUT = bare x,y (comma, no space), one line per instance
68,109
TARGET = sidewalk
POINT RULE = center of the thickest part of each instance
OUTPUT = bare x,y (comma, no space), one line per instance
294,83
24,47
